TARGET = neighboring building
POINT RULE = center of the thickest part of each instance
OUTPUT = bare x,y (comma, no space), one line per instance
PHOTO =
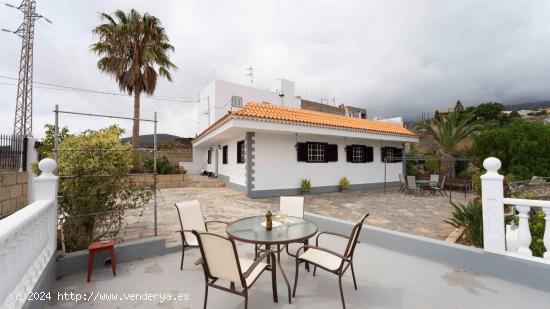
355,112
343,110
219,97
320,107
446,111
266,150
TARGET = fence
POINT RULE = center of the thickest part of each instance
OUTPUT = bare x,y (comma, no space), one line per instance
13,152
106,213
494,231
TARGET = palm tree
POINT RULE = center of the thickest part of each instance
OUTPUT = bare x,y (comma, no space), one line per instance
133,48
448,131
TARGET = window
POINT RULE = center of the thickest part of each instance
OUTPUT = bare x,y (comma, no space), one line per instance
317,152
236,101
363,116
224,154
359,154
209,156
392,153
240,152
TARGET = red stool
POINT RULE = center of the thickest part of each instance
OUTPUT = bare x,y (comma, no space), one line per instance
98,246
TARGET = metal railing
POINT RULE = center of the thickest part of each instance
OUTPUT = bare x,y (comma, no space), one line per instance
13,152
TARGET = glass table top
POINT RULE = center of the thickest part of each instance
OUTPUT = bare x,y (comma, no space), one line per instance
291,229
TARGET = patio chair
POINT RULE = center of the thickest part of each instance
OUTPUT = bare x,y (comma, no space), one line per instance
329,260
403,183
191,218
412,187
434,179
439,188
220,261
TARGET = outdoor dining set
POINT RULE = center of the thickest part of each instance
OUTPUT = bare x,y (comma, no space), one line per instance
412,185
221,262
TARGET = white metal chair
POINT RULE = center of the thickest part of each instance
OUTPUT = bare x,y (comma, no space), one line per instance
412,187
403,183
220,261
440,187
292,206
191,218
329,260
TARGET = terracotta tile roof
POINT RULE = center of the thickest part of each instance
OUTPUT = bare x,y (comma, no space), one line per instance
282,113
266,111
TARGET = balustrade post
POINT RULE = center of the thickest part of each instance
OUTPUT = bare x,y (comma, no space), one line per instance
494,238
547,233
45,188
524,234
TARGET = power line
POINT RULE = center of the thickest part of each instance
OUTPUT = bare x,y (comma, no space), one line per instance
83,90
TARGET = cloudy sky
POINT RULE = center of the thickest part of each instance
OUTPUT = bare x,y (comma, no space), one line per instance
392,57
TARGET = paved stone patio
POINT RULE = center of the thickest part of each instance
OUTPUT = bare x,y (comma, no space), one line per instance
422,215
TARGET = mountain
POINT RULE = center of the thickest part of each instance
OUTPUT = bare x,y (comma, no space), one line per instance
529,105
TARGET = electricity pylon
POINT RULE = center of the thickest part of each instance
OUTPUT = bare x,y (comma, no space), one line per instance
23,108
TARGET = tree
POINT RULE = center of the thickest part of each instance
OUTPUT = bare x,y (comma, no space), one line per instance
133,48
97,193
459,108
448,132
47,146
522,147
489,111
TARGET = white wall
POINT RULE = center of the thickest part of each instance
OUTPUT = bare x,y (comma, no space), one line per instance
215,99
235,171
276,165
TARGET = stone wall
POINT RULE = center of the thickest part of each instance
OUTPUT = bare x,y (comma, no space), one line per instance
176,156
13,192
163,181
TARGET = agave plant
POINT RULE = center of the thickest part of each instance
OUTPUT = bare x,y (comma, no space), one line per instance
447,132
470,218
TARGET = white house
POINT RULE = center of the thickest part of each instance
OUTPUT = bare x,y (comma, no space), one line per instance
266,150
219,97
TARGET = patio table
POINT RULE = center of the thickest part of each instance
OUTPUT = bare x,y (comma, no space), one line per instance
424,183
284,231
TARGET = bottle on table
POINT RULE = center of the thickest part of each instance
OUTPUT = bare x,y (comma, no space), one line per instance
268,220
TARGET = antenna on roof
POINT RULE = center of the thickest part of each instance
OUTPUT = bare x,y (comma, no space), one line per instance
250,73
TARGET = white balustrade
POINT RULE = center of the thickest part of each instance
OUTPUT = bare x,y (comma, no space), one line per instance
493,215
28,239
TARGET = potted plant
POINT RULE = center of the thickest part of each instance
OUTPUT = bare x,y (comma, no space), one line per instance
306,185
344,184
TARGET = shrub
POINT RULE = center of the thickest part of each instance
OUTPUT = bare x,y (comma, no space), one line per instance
470,218
432,166
306,185
412,170
93,200
344,183
522,147
536,225
163,166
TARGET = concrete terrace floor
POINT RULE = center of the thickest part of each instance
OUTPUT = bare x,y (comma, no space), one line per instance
422,215
386,279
